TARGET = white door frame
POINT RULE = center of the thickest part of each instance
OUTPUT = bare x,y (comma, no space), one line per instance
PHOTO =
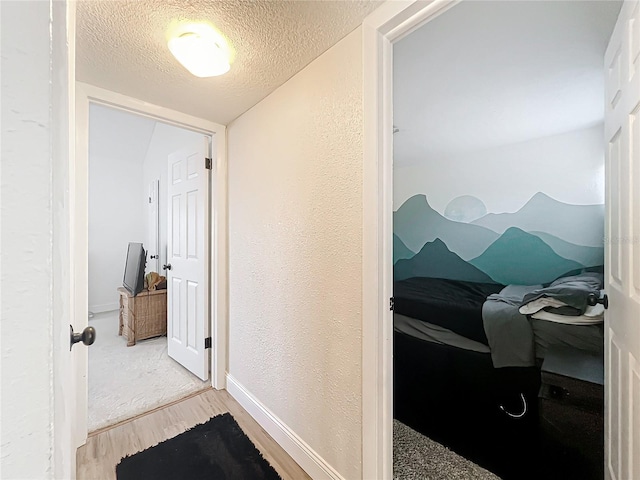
389,23
86,95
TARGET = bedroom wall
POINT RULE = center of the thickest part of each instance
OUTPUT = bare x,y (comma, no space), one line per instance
499,174
568,167
117,146
522,240
165,140
295,234
523,213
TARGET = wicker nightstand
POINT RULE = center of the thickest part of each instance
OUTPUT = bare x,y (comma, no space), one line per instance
142,316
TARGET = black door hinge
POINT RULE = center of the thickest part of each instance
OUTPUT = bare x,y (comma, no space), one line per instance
391,304
207,163
207,342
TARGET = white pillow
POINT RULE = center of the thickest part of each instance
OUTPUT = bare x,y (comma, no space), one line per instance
591,316
540,303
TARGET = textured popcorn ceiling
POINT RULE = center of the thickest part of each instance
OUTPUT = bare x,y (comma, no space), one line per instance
122,46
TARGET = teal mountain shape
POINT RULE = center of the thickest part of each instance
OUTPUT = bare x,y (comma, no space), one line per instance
435,260
400,250
518,257
587,256
577,224
416,223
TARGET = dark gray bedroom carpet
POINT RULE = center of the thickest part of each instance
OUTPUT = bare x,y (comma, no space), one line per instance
416,457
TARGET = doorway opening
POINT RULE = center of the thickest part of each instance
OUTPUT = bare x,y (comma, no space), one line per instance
199,234
481,230
620,78
131,369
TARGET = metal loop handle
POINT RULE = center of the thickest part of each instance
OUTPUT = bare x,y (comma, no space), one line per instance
517,415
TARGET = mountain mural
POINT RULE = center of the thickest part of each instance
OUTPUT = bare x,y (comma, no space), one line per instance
542,241
518,257
400,250
435,260
577,224
587,256
416,223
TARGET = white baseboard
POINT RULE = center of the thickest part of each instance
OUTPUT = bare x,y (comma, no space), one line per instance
106,307
303,454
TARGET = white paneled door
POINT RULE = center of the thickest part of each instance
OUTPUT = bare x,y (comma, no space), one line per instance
622,247
187,258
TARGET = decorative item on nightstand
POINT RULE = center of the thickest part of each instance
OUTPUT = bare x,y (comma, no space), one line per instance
155,281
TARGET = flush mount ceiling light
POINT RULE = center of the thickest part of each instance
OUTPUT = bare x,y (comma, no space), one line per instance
201,50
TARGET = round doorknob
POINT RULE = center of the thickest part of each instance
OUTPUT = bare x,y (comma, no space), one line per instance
88,336
593,299
166,267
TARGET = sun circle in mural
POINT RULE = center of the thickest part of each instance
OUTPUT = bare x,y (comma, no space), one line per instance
465,208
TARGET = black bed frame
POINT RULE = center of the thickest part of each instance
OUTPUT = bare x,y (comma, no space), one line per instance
456,397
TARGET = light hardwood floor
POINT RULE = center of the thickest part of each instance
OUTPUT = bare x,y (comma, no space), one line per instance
104,450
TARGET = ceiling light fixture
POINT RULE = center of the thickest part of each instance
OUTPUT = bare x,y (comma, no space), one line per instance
201,50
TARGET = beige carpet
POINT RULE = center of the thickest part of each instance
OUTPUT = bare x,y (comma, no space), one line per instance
127,381
416,457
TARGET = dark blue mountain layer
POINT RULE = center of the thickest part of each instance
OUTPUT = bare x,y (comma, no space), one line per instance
435,260
518,257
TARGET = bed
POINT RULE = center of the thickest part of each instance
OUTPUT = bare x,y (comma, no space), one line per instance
446,382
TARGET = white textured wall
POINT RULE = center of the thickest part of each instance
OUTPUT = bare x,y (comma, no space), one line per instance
295,236
568,167
166,139
118,142
26,256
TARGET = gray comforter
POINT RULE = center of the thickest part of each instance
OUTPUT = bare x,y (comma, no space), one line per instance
509,333
573,291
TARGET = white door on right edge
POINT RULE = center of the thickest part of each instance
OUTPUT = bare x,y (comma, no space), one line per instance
622,247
